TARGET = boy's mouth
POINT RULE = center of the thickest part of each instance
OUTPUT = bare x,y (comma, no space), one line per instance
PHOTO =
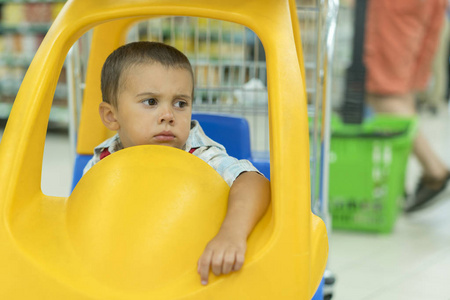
165,136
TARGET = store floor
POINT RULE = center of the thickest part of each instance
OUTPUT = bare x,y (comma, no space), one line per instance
413,262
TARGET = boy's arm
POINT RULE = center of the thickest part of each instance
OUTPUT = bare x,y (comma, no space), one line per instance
247,202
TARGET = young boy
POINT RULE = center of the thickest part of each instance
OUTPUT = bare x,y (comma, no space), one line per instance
147,91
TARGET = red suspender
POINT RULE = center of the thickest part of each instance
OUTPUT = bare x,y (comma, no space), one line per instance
104,153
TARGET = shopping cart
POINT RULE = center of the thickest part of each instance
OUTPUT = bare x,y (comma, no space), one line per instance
231,81
53,243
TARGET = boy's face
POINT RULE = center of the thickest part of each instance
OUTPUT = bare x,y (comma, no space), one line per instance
154,106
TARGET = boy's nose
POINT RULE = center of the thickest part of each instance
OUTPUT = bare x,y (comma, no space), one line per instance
166,116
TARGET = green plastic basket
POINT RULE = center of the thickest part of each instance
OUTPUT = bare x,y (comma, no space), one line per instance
367,172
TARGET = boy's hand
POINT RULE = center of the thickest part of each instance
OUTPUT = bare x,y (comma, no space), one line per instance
247,202
223,254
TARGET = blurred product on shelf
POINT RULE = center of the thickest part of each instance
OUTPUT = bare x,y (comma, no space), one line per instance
252,93
37,12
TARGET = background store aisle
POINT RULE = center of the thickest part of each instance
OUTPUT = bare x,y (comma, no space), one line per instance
57,164
414,261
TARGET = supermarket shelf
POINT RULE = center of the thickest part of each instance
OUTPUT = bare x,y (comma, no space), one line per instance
14,60
10,88
58,114
25,28
32,1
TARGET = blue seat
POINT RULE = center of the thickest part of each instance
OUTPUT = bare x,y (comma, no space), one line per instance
231,131
80,162
234,134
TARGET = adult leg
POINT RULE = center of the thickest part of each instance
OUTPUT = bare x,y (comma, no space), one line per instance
435,173
404,105
401,37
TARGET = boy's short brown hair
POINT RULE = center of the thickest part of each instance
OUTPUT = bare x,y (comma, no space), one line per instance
132,54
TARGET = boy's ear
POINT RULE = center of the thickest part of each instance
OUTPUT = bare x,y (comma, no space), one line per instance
108,116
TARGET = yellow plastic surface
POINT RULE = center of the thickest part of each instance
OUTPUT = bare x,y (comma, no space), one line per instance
136,223
105,39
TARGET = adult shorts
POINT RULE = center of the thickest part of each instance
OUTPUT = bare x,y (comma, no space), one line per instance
401,38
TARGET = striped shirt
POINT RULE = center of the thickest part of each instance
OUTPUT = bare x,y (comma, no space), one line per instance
229,168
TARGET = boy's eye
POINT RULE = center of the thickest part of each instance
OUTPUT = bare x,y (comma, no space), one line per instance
181,104
150,101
